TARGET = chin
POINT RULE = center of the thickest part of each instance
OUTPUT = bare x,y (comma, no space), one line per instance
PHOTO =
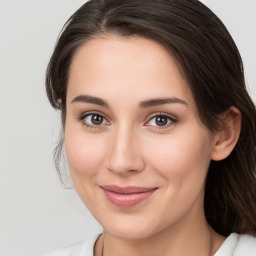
130,233
129,228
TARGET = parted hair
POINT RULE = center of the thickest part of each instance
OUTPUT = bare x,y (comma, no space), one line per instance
210,63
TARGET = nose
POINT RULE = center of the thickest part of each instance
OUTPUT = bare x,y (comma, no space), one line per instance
125,154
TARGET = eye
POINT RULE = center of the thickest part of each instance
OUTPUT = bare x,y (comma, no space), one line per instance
93,120
161,120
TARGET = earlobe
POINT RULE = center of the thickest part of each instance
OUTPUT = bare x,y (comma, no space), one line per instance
59,103
227,137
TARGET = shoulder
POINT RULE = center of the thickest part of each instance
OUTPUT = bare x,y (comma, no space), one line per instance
238,245
83,248
246,245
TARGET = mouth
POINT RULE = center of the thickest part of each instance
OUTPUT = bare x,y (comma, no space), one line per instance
127,196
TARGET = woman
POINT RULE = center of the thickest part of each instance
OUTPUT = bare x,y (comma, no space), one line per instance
159,129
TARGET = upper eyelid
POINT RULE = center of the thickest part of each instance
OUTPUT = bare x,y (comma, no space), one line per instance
95,112
171,116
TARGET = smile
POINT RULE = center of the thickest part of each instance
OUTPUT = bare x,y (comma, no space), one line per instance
126,196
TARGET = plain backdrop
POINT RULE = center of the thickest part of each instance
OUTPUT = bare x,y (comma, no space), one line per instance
36,213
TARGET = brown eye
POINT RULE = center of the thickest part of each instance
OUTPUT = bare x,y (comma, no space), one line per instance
97,119
94,120
161,121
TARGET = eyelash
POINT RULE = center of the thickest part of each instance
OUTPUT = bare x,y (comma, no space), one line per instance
93,126
170,119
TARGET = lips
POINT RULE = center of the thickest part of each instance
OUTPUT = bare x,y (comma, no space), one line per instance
127,196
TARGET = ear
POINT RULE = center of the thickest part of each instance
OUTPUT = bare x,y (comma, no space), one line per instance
227,137
59,103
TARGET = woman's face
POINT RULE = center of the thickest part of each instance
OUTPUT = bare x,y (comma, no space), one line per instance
137,151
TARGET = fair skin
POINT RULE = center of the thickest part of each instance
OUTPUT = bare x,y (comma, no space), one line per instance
132,122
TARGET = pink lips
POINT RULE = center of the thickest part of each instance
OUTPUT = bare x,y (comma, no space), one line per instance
126,196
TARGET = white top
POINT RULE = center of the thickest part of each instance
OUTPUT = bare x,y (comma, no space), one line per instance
234,245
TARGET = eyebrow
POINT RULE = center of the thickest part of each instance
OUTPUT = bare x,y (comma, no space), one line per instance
161,101
143,104
90,99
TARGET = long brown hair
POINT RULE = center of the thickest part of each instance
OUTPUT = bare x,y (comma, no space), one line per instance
211,64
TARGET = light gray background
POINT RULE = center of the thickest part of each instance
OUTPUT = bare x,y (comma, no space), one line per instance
36,213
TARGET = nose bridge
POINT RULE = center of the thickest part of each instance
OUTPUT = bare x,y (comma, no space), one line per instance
124,153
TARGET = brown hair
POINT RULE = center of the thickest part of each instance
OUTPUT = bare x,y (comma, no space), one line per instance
212,66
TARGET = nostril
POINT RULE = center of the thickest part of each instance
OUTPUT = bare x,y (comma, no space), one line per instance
129,166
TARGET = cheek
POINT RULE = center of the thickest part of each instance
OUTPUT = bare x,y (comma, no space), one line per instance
181,155
85,155
182,161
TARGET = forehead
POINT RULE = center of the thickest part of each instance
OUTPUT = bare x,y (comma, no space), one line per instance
121,64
